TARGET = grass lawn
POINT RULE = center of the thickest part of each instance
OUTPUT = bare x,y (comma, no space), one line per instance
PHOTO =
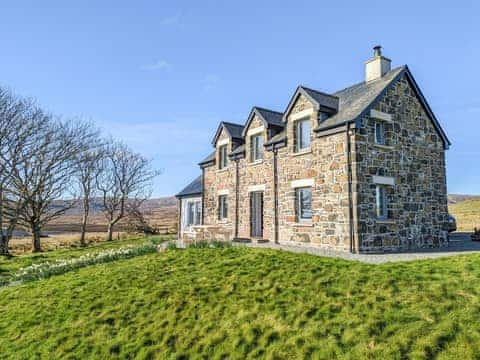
247,303
10,266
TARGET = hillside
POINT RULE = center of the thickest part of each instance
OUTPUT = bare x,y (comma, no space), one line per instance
238,303
467,214
161,212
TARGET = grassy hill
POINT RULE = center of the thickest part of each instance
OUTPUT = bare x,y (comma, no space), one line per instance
467,213
247,303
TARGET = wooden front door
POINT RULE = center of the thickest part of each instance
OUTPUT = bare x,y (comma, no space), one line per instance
256,214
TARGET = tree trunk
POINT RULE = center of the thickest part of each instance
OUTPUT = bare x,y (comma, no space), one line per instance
83,229
109,232
36,247
4,245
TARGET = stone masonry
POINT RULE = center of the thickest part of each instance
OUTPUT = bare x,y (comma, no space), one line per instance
343,166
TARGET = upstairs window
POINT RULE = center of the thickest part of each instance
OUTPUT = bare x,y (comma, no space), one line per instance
222,157
382,210
256,148
379,133
302,134
222,207
303,203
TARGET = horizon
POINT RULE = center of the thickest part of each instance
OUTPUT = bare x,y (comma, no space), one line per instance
160,77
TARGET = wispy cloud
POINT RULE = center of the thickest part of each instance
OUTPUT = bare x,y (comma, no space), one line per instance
171,20
210,82
158,65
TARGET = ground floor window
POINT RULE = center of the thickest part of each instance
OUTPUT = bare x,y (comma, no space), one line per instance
222,207
194,214
382,208
303,202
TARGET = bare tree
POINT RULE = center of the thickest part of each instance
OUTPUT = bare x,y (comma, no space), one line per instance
124,183
88,168
46,178
19,124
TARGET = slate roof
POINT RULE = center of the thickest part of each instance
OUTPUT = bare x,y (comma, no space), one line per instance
276,139
355,99
328,100
271,117
238,150
234,130
194,188
208,159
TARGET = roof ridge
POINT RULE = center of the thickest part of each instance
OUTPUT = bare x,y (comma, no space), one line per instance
269,110
230,123
317,91
363,82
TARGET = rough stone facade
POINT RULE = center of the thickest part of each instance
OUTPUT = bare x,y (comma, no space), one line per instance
344,217
414,157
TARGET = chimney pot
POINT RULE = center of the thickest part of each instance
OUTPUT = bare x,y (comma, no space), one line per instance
377,50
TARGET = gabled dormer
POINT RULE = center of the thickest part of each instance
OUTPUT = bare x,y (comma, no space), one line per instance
305,111
262,124
227,138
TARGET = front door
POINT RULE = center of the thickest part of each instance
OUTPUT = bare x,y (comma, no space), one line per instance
256,214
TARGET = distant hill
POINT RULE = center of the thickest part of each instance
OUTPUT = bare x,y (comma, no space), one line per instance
456,198
160,211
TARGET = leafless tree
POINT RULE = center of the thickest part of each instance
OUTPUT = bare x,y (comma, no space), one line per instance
124,183
48,172
88,167
20,121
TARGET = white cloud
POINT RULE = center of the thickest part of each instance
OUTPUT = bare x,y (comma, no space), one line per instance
158,65
171,20
210,82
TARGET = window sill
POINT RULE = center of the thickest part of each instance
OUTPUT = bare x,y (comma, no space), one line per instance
384,147
256,162
386,221
302,152
222,170
223,221
303,224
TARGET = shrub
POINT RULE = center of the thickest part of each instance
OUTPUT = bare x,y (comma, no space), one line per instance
220,244
172,245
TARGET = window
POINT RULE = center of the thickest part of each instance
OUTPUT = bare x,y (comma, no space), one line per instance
303,200
222,207
302,135
194,214
379,133
222,157
382,211
256,151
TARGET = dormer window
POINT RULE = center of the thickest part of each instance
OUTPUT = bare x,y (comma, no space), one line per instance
256,147
379,133
222,157
302,134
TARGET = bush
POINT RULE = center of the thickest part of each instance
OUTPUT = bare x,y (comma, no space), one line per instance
48,269
212,244
172,245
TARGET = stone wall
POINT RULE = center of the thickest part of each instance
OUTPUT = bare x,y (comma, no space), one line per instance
415,158
215,181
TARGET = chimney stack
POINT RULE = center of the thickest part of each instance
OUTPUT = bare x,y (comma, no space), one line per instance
377,66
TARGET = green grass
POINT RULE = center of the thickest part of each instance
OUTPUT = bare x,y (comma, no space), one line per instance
8,266
247,303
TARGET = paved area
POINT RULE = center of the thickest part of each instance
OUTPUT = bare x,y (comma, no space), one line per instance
460,243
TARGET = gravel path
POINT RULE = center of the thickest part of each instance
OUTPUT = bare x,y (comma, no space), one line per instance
460,244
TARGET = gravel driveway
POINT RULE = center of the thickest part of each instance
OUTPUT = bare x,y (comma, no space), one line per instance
460,243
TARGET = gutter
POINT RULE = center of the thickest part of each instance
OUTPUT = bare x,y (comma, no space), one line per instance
275,193
237,190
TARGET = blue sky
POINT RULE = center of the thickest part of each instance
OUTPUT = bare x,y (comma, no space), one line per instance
160,75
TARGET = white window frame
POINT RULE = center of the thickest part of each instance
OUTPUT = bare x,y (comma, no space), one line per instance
222,156
256,147
298,204
379,135
381,201
196,212
298,132
222,207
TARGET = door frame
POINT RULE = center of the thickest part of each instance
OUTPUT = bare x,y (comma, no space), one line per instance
253,213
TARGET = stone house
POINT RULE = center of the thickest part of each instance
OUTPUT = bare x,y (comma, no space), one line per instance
360,170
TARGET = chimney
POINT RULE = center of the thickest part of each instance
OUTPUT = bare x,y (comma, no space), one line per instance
377,66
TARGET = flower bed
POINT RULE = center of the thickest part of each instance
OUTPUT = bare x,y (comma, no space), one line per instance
48,269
